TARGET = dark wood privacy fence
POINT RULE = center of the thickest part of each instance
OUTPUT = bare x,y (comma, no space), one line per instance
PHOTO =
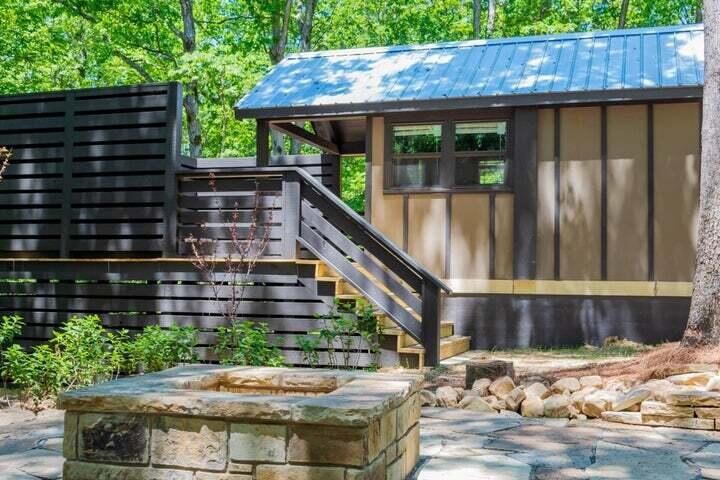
92,172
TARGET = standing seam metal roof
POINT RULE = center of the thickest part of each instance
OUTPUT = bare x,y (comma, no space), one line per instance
647,58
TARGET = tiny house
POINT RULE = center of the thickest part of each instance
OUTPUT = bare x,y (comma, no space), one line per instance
550,181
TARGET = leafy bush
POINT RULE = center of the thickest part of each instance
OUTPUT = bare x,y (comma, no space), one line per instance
156,349
246,343
10,328
85,346
40,374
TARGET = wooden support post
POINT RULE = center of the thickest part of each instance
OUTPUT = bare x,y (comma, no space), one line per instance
262,149
431,323
291,215
172,165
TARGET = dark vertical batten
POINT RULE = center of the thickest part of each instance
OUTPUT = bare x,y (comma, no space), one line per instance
173,127
524,173
262,148
651,191
556,227
491,236
68,154
448,226
603,194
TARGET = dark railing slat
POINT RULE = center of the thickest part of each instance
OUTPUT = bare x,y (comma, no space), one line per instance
322,249
357,254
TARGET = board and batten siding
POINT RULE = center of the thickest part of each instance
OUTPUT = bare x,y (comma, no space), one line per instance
596,202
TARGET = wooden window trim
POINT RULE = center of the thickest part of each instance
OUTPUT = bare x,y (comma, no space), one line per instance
447,152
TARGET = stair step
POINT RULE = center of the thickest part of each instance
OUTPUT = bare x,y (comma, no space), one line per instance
446,330
449,347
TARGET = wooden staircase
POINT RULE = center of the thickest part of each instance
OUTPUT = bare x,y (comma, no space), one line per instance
397,347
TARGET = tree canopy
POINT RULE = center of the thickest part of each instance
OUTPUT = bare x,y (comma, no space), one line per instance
220,48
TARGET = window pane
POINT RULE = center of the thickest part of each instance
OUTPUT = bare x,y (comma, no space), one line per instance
415,172
417,138
480,136
480,171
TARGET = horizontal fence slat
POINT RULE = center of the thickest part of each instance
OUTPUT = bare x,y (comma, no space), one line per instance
120,134
120,150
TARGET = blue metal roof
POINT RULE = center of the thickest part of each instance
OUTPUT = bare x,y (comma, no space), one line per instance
606,61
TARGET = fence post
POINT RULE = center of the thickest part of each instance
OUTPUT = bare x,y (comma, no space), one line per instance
172,164
290,214
430,297
68,154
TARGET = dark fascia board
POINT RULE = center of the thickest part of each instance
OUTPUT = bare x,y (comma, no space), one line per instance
100,91
528,100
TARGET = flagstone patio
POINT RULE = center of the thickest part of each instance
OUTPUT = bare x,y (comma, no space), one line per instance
457,444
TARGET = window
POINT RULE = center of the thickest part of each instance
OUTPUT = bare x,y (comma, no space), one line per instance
480,149
416,155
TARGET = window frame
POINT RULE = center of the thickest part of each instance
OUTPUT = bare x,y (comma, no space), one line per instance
448,156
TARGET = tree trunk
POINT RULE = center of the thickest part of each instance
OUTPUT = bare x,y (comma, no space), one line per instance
623,13
703,327
191,98
280,25
491,18
305,26
476,18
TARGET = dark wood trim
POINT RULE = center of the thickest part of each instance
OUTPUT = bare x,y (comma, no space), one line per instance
603,194
491,238
352,148
406,220
369,131
431,315
290,217
651,190
556,220
448,236
173,160
304,136
68,147
525,201
495,101
262,143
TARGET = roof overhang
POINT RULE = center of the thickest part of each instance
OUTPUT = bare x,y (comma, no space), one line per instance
527,100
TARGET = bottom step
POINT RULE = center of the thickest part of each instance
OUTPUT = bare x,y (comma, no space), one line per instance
413,356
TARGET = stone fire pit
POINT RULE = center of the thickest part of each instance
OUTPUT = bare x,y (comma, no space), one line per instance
205,422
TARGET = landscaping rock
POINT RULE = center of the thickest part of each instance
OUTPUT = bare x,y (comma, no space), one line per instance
537,389
693,398
498,404
679,422
633,397
481,386
476,404
707,412
569,384
660,389
491,369
557,406
660,409
631,418
598,402
713,384
500,387
446,396
577,399
591,381
427,398
532,406
696,379
515,398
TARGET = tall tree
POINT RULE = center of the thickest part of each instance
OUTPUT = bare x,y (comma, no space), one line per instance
476,12
491,18
624,5
703,327
191,98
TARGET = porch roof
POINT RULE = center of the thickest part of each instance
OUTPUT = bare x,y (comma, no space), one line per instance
618,65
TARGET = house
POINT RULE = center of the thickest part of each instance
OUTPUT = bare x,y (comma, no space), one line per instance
550,181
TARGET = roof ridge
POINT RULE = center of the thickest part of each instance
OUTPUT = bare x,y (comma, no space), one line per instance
496,41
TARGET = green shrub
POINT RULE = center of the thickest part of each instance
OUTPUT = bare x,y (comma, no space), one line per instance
156,349
85,346
10,327
40,374
246,343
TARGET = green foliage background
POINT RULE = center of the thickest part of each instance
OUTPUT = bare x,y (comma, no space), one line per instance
58,44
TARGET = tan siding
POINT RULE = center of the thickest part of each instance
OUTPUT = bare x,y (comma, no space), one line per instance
627,192
387,210
546,194
426,231
504,236
677,172
580,173
469,236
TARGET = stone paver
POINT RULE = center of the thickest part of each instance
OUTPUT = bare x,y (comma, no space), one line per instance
457,445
